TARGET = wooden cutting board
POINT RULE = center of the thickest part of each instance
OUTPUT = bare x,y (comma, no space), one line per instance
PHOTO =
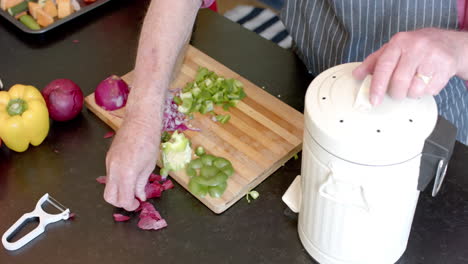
262,134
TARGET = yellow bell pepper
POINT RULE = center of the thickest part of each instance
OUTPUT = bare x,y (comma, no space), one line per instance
24,117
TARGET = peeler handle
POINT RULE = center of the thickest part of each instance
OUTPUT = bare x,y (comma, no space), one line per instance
25,239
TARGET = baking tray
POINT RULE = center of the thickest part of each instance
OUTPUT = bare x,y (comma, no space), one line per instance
84,9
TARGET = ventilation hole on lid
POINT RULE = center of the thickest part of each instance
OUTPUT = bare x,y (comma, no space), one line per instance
341,121
333,76
323,98
411,120
378,130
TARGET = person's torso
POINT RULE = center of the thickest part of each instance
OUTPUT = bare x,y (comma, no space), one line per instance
331,32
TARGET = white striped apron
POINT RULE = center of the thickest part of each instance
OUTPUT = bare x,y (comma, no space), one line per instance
331,32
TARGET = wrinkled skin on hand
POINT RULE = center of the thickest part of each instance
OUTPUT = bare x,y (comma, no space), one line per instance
430,52
129,162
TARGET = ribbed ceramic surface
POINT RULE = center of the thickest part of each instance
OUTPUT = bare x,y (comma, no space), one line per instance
365,213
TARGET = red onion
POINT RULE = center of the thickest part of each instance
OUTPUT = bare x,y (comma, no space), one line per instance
112,93
64,99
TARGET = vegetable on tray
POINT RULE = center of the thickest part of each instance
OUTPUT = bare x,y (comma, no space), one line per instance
29,21
5,4
24,118
35,14
21,7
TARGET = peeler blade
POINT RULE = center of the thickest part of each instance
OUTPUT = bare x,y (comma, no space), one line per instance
56,203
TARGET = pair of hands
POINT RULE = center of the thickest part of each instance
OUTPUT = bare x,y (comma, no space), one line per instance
433,53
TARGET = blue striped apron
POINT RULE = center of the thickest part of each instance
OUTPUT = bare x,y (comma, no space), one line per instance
331,32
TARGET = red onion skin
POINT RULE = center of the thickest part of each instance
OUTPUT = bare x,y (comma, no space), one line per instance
112,93
64,99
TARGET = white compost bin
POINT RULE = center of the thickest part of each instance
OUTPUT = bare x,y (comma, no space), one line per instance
360,170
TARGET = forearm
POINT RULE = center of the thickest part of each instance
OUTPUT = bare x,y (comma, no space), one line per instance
166,29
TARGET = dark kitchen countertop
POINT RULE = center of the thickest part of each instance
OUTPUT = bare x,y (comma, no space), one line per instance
103,42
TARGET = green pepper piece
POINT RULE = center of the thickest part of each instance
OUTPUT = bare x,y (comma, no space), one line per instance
29,21
197,189
188,87
177,100
202,72
223,119
221,162
218,97
228,170
196,164
204,94
212,181
165,137
187,101
199,151
206,107
208,159
218,190
226,107
164,172
208,171
191,172
196,91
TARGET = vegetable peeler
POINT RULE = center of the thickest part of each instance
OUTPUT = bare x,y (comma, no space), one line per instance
44,220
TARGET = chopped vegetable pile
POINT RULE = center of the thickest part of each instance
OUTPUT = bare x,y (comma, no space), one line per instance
150,219
209,174
37,14
209,90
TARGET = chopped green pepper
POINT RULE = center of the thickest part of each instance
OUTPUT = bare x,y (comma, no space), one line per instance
197,189
218,190
211,172
208,171
219,178
199,151
223,119
253,194
208,159
177,100
166,136
221,162
208,90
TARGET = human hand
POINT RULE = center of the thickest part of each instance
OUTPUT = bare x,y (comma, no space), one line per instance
129,162
412,64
